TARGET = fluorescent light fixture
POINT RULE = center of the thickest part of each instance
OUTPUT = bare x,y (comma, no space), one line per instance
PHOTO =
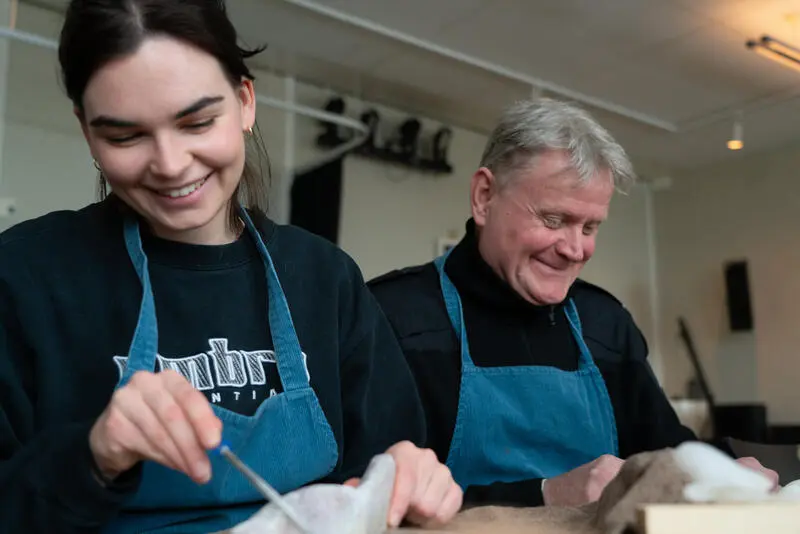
777,51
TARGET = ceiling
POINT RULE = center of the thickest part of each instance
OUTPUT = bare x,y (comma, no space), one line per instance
681,63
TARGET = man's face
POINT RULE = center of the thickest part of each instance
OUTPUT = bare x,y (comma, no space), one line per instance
539,229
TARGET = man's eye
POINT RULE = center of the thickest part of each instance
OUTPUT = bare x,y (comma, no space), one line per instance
552,223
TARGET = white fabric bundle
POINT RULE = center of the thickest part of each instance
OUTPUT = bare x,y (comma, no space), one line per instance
718,478
333,508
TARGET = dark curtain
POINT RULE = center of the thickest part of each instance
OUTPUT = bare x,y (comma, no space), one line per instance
316,200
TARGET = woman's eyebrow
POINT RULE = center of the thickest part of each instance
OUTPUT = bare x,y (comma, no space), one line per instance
113,122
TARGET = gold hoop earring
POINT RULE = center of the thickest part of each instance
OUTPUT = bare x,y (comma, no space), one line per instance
250,131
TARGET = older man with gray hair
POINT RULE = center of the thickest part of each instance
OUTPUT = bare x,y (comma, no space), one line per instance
535,383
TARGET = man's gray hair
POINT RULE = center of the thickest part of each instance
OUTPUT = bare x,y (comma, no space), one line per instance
531,127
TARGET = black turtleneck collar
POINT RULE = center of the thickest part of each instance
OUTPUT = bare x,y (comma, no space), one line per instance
193,256
502,327
474,277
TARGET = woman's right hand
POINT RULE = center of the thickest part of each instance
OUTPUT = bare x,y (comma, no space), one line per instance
159,417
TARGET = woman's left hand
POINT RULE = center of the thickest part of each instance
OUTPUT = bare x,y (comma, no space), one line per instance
424,490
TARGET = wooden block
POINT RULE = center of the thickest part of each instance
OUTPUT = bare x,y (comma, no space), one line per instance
727,518
410,530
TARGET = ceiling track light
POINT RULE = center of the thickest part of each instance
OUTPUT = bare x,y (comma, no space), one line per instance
736,142
777,51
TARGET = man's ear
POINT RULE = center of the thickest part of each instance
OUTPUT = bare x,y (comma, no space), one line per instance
482,189
247,99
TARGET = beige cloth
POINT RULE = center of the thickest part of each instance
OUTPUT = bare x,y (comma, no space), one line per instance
651,477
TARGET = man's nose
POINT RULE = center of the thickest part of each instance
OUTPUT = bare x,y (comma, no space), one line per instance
571,245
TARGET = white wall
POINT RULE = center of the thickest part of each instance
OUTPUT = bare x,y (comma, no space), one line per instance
390,217
623,264
748,208
45,165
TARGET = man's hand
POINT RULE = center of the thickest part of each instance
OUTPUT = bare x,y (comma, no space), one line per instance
583,484
755,465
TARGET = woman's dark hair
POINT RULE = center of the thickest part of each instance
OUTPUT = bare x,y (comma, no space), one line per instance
98,31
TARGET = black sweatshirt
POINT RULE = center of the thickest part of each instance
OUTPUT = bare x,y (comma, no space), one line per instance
503,329
69,302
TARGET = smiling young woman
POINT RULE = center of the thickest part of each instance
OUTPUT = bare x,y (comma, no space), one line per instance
177,160
266,336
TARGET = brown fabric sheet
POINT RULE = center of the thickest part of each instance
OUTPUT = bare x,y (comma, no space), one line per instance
645,478
544,520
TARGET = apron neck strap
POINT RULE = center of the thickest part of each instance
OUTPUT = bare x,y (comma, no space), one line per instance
144,346
455,312
571,310
291,360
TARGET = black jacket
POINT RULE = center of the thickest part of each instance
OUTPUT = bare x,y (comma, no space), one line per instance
504,329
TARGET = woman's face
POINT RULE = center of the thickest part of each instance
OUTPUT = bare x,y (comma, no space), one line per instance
167,129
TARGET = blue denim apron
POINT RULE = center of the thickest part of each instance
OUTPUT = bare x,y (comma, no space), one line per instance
523,422
288,440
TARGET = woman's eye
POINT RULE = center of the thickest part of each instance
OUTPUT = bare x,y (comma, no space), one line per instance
199,125
193,126
120,140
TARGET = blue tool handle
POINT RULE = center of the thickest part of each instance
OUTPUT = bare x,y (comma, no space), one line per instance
222,445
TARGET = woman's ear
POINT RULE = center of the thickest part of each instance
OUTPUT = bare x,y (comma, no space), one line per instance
247,98
82,120
81,116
